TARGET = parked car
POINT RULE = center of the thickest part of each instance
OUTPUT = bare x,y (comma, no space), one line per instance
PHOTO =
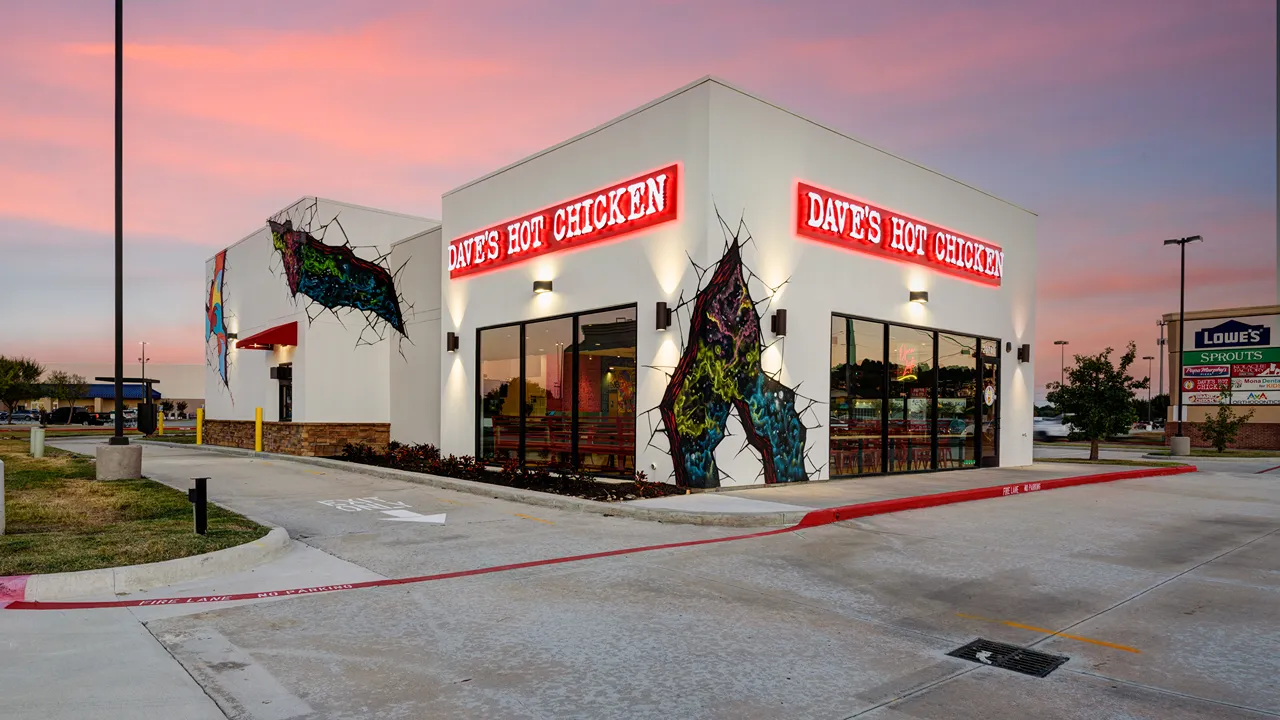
4,415
77,415
24,416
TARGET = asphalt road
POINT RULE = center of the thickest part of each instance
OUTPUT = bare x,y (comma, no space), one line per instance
1163,590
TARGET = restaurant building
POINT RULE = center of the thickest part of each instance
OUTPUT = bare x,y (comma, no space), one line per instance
715,291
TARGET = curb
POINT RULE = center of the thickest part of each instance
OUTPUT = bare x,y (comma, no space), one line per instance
758,519
1198,458
138,578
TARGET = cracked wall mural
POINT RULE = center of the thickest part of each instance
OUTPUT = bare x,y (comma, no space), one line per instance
333,278
720,373
216,349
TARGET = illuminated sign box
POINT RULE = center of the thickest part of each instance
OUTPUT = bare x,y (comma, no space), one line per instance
856,225
620,209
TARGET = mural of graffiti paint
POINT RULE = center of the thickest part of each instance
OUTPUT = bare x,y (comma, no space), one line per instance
215,322
333,277
718,373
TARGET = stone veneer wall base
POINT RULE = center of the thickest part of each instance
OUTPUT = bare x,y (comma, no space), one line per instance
302,439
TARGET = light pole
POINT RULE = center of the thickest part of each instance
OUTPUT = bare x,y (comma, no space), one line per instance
1062,368
1148,358
118,438
144,360
1182,312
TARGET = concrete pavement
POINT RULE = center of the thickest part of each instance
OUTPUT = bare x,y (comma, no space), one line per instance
1165,585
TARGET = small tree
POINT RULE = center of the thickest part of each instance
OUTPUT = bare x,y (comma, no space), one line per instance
1222,428
182,408
166,406
1098,400
66,386
18,379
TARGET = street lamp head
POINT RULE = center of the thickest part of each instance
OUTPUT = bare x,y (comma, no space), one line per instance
1059,342
1148,357
1183,241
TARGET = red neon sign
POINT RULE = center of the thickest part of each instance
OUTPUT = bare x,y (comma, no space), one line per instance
619,209
853,224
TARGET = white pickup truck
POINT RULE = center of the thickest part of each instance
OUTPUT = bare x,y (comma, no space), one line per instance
1050,429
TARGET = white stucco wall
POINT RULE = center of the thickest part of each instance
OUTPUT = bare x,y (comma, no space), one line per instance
415,364
759,152
338,375
745,156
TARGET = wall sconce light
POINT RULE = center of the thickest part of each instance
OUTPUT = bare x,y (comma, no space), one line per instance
1024,353
233,336
541,286
920,296
778,323
451,341
664,316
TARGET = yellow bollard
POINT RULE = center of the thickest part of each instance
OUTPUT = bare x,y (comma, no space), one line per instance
199,426
160,423
257,430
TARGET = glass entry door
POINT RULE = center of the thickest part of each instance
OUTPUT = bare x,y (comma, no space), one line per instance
989,407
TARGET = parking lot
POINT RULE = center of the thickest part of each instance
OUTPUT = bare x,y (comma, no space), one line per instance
1160,592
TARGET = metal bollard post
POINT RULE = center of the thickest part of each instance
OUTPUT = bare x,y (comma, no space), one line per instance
199,497
1,497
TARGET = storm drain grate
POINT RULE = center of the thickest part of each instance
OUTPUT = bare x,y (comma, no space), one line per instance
1009,657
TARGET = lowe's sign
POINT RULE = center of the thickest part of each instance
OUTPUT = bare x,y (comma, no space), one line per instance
1232,334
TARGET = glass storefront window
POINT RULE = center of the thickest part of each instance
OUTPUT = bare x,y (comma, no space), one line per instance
606,352
857,396
957,400
548,424
909,399
911,380
500,393
568,391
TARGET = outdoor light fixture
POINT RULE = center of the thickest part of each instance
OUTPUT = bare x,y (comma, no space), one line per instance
664,316
233,336
778,323
451,342
1024,353
1182,312
920,296
541,286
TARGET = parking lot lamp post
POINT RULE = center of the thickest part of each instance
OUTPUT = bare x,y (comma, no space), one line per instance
1182,312
1062,368
1148,358
118,438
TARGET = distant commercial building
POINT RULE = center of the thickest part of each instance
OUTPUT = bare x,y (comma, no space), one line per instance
709,289
101,397
174,381
1230,357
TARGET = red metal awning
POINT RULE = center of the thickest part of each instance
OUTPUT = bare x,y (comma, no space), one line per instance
286,334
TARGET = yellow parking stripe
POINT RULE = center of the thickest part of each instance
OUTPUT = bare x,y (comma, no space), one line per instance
1033,628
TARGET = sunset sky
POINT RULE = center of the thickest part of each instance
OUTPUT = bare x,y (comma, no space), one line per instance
1120,123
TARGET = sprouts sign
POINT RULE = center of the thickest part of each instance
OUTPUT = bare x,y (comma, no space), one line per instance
1234,361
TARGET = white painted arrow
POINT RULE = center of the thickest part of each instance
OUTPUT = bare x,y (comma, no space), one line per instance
984,656
411,516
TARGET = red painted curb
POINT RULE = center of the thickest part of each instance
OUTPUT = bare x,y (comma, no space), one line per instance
825,516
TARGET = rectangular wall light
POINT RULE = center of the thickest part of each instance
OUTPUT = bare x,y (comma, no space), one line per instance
663,316
920,296
451,342
778,323
541,286
1024,353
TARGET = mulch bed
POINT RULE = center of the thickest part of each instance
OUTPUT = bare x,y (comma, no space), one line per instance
560,481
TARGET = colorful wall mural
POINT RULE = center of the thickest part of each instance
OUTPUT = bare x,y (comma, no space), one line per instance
720,372
215,321
333,278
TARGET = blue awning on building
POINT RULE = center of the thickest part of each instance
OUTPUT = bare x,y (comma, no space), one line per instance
107,391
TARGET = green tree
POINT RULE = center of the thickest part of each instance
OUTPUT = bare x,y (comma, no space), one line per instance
1098,396
68,387
182,407
18,381
166,406
1222,428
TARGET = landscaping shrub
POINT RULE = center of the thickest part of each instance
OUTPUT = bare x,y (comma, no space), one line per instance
427,459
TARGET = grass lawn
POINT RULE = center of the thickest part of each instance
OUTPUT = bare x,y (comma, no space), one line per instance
1131,463
59,519
186,438
1211,453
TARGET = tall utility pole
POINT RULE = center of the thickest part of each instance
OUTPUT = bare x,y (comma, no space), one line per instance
1148,358
1182,316
144,360
1062,367
119,438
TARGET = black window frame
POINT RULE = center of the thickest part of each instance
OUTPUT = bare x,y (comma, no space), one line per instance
933,409
574,459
